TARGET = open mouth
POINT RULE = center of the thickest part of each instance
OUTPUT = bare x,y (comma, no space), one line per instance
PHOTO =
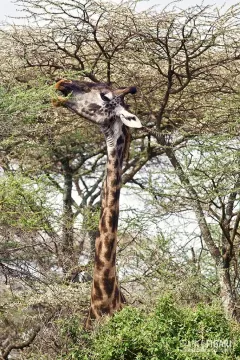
63,87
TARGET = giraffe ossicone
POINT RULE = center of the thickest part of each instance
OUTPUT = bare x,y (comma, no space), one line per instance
101,104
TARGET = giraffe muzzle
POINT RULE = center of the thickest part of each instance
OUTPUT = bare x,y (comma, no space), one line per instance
64,86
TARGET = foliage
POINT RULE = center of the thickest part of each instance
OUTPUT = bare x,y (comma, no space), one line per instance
18,98
170,332
185,66
51,306
23,203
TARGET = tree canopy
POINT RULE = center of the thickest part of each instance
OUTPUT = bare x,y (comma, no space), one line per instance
179,220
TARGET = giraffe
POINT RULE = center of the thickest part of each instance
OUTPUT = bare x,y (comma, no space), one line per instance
102,105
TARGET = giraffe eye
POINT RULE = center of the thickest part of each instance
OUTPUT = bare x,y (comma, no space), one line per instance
105,97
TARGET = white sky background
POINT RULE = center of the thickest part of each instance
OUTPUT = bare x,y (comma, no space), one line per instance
8,8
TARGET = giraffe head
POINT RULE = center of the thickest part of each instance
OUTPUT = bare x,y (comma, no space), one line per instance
98,103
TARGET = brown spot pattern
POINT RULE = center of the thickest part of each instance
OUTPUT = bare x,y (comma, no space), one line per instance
108,253
107,296
108,284
103,224
98,295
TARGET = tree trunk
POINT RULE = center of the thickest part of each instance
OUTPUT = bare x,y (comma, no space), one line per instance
69,257
222,259
227,293
90,227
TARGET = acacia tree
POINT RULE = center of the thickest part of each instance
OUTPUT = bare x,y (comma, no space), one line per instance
183,62
202,81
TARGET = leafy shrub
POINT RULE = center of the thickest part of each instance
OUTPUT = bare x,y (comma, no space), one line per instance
15,100
171,332
23,203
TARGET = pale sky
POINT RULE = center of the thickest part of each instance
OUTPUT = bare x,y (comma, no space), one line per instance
8,8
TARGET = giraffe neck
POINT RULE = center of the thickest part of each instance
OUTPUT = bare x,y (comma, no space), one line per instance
106,297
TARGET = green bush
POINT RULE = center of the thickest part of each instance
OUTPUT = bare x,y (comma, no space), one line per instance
23,203
16,100
171,332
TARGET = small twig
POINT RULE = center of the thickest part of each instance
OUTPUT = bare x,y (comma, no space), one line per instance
23,344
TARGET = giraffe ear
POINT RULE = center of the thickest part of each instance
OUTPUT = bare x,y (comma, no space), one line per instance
130,120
